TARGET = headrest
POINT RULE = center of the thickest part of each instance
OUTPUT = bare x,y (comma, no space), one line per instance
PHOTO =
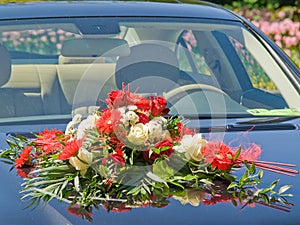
95,47
79,60
149,67
5,65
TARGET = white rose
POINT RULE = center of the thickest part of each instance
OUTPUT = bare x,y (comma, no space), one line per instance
161,120
155,131
132,107
138,134
192,146
192,197
86,124
82,161
131,117
166,135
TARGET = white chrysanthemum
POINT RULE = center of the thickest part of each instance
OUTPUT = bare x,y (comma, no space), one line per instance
122,110
70,129
86,124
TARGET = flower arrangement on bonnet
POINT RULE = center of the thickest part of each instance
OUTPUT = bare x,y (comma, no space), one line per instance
133,154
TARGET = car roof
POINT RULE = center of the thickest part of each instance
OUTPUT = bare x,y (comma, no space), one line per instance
54,9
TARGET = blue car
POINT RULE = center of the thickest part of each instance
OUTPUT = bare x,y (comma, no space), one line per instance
197,63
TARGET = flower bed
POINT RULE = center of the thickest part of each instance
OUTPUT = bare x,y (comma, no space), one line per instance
281,25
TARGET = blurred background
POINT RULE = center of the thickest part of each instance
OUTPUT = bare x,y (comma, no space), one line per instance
279,19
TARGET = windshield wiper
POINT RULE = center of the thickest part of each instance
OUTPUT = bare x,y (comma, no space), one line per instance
248,127
268,120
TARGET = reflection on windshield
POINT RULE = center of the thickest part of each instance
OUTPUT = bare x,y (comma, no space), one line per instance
200,66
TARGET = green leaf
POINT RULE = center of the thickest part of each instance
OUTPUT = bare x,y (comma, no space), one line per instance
233,201
260,174
252,168
77,183
103,171
156,150
189,177
237,154
284,189
156,178
265,190
206,181
287,195
265,198
232,185
162,169
146,188
274,184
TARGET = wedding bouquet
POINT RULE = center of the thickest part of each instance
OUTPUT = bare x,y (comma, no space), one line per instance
133,154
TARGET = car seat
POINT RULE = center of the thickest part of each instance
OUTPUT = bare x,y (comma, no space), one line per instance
149,68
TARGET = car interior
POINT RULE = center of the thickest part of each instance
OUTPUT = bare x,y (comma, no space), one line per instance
197,69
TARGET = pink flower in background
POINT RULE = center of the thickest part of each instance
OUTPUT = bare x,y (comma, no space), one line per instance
288,52
278,43
40,32
44,38
277,37
286,25
274,28
53,39
265,27
61,32
290,41
298,35
58,46
255,23
281,14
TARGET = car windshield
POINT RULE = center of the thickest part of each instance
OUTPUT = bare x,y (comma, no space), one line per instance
64,66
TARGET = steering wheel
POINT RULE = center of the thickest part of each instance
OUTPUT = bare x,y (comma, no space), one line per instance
180,92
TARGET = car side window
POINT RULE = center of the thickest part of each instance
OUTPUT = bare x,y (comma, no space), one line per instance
35,44
257,75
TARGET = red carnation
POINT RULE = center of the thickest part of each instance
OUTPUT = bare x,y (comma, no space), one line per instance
50,141
70,150
217,154
158,106
25,158
104,123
